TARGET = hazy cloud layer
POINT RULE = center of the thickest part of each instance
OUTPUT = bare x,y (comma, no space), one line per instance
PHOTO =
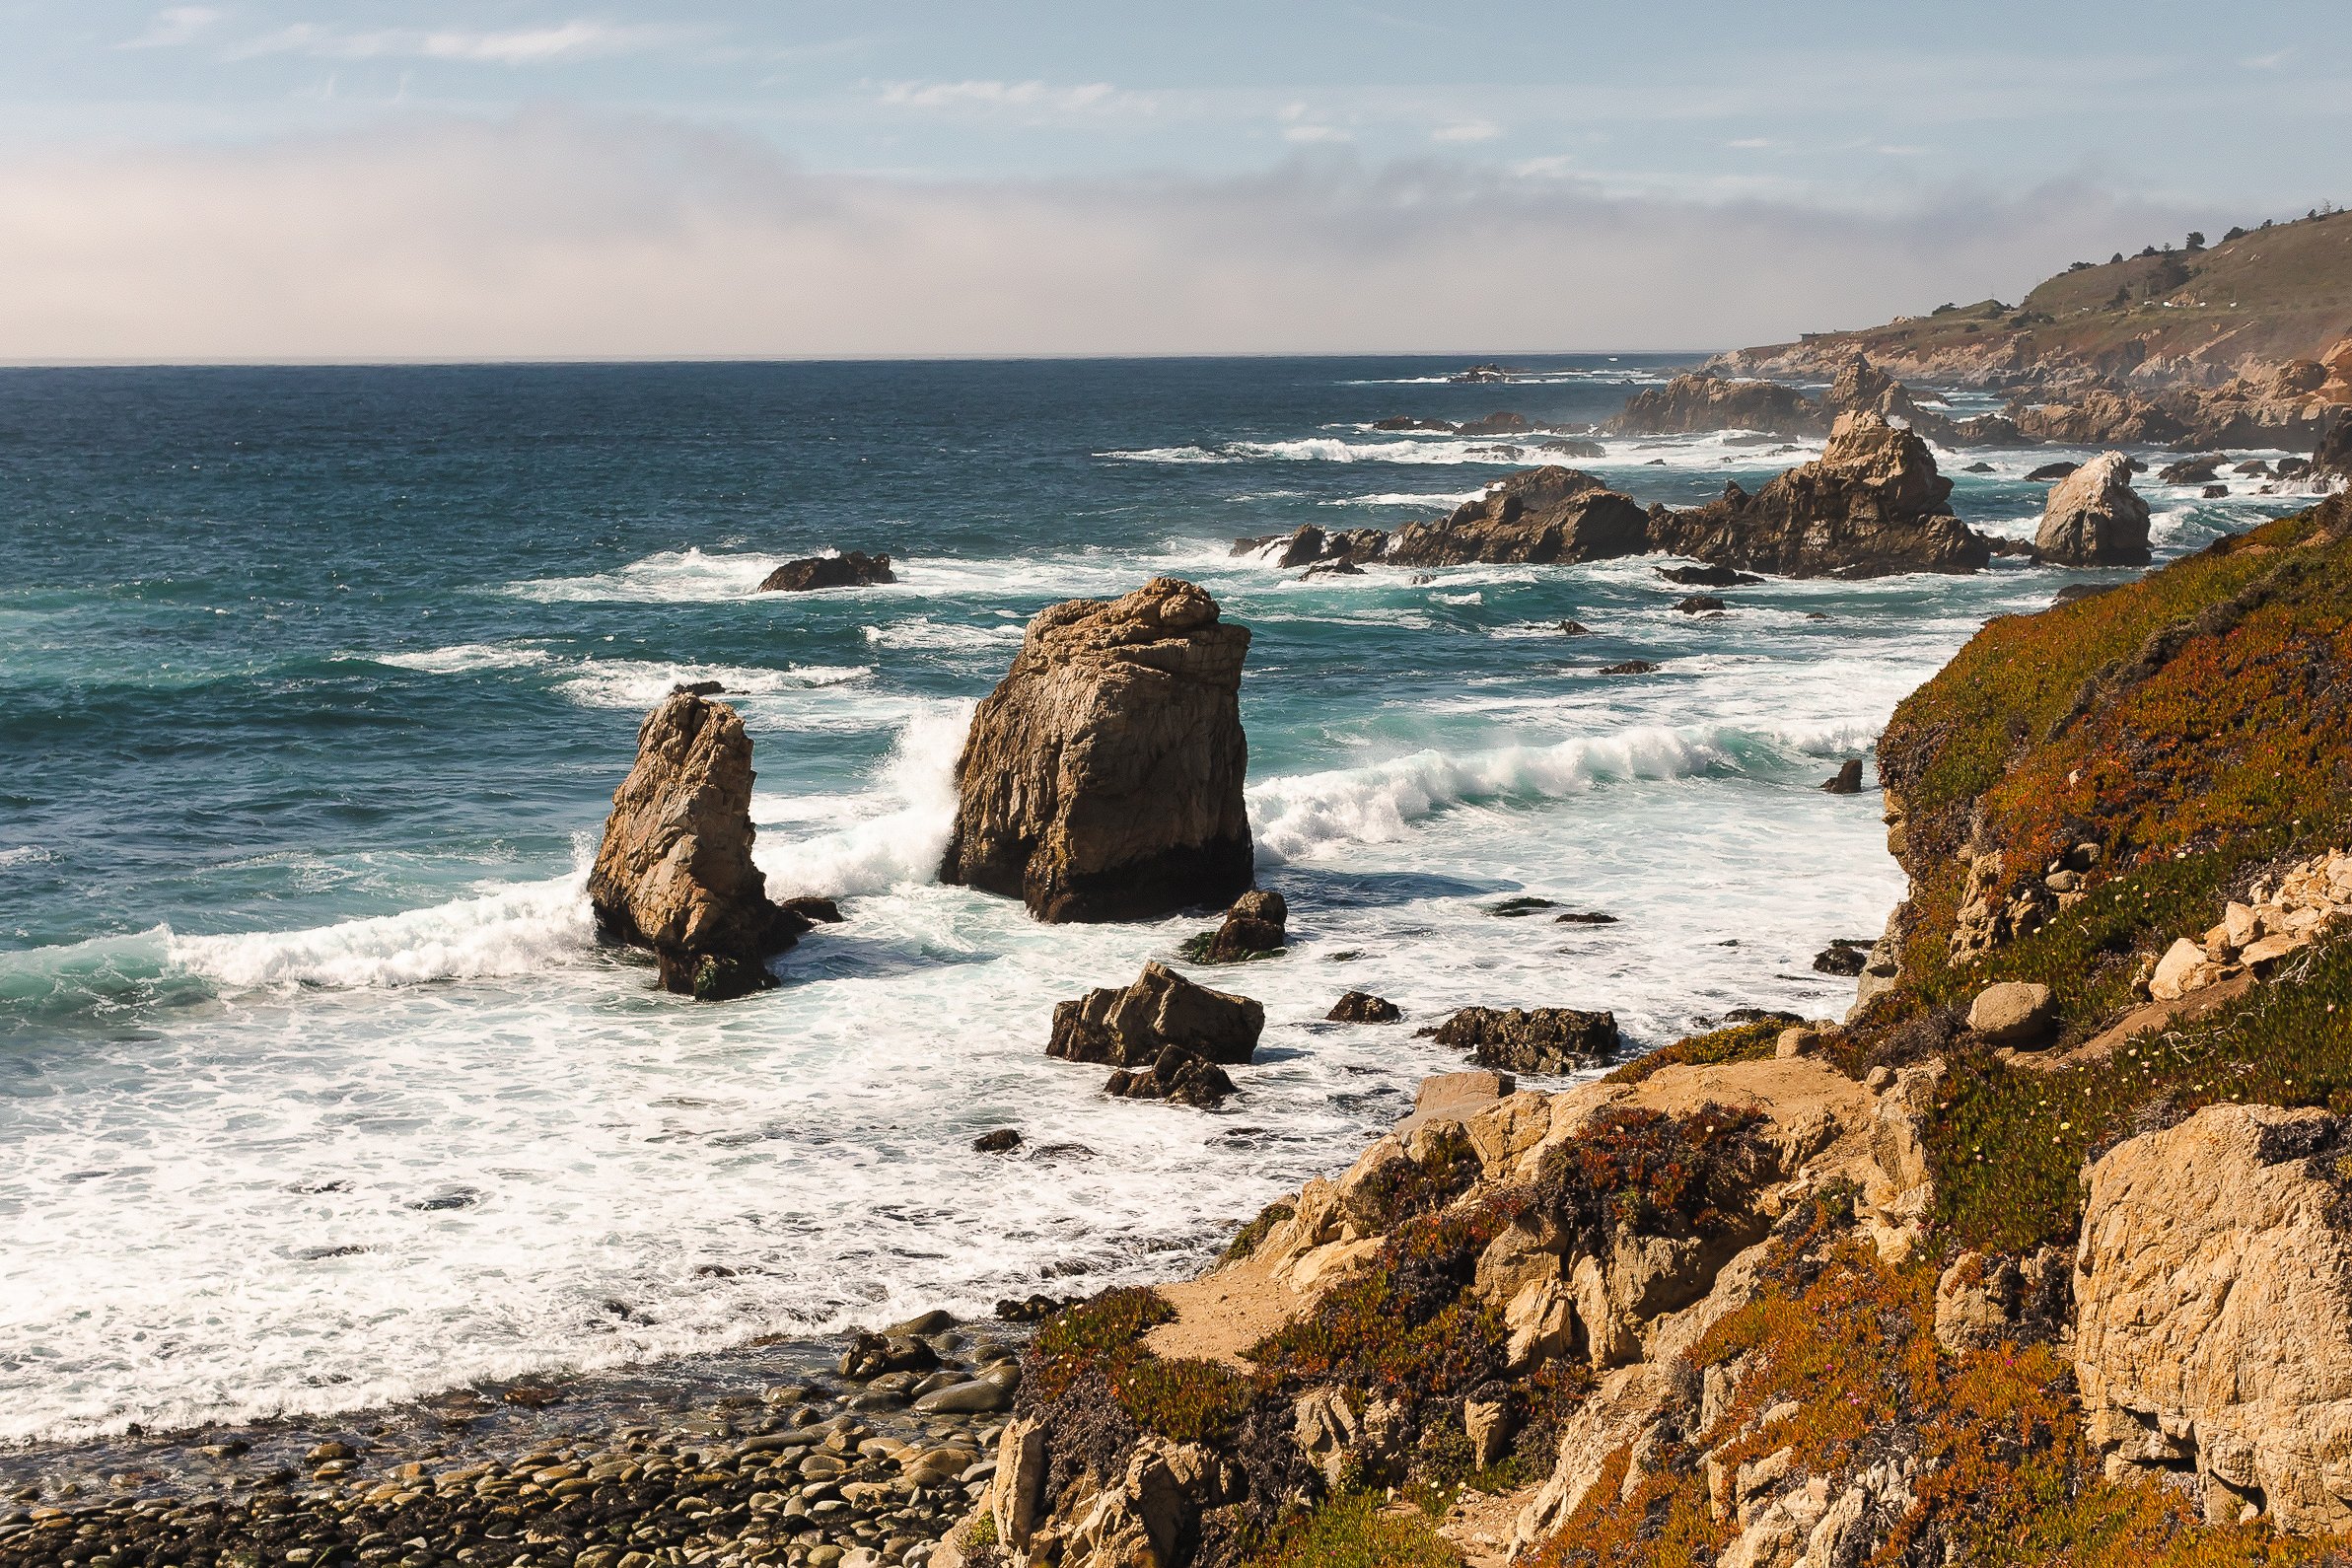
558,235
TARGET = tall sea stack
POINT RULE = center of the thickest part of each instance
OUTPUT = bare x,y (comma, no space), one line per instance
1103,777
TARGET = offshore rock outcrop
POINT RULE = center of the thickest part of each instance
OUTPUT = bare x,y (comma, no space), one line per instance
1538,516
1101,779
1700,401
2095,517
1871,505
852,569
1540,1039
675,872
1169,1037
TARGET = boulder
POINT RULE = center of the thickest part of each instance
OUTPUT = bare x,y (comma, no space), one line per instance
1101,779
1700,401
2213,1327
1542,1039
2014,1013
1362,1007
2190,471
1500,423
1873,504
1701,604
1539,516
675,872
1131,1027
1631,667
1310,547
1254,927
2051,472
2095,517
1847,780
1707,576
854,569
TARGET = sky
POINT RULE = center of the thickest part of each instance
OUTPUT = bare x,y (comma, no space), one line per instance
267,180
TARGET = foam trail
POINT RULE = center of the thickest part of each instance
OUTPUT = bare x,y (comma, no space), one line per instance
466,657
1297,815
900,845
517,930
643,683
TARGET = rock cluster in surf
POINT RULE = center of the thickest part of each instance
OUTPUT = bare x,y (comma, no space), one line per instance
1101,779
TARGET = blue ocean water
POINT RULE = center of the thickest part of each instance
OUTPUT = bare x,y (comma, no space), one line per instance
314,685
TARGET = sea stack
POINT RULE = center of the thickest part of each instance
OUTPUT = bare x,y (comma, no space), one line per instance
675,872
1101,779
2095,517
1872,504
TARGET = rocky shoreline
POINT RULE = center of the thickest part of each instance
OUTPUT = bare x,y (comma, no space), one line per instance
849,1450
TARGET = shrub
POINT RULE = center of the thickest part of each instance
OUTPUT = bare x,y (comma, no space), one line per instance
1737,1043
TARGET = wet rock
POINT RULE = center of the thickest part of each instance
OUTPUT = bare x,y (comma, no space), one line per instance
872,1356
1978,468
1872,504
1590,917
1407,422
854,569
1571,629
1573,447
1702,603
2189,470
2051,472
1255,927
1503,424
1362,1007
1848,778
1520,908
1843,958
1177,1075
1004,1140
1130,1027
2095,517
1707,576
1103,777
1543,1039
674,870
1631,667
1539,516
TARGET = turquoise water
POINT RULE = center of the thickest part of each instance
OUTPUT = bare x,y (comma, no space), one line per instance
314,685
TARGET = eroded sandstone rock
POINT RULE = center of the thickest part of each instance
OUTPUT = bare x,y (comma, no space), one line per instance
1700,401
2095,517
1257,926
675,873
1871,505
1101,779
2213,1328
1130,1026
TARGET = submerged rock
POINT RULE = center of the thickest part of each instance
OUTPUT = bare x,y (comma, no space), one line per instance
1101,779
1539,516
852,569
1362,1007
1130,1027
1542,1039
1873,504
2095,517
674,870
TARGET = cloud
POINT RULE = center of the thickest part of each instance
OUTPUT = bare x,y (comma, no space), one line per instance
554,235
1751,143
1314,133
1476,131
999,95
173,26
565,41
2272,61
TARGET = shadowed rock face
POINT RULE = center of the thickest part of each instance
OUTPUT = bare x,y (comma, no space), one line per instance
1538,516
674,870
1101,779
856,569
1872,504
1130,1026
2095,517
1702,401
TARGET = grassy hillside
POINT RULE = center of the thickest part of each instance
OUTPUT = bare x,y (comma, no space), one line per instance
2282,292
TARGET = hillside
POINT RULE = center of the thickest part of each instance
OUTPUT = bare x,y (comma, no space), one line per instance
2278,293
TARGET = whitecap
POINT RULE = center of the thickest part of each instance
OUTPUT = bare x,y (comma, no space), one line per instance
902,842
642,682
466,657
24,855
515,930
922,632
668,576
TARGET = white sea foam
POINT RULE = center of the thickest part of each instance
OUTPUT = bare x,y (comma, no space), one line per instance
23,855
1446,451
1435,498
901,842
642,682
671,577
922,632
1295,818
516,930
467,656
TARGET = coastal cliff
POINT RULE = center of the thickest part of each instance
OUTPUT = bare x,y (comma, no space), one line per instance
1892,1289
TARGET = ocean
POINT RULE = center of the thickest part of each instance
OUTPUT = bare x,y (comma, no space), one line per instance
316,1088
